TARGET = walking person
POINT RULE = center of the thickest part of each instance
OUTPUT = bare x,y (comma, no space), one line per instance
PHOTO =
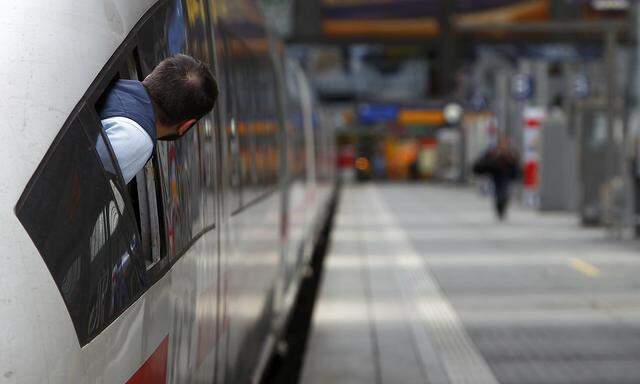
502,164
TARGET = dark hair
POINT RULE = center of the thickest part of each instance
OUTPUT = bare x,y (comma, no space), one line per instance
181,88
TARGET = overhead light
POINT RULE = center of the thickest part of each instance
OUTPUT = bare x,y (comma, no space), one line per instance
610,5
453,113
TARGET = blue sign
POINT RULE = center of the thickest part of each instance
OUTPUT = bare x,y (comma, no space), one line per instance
377,113
522,86
579,86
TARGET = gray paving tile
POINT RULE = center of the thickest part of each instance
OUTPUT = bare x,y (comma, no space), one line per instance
403,254
534,318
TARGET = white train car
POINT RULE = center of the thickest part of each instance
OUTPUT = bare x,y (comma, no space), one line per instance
187,274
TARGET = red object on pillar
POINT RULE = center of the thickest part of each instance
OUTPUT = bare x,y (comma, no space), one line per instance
531,174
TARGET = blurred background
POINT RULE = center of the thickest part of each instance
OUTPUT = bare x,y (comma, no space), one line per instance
425,95
419,89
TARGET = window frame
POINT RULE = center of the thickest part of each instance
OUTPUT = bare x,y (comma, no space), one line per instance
81,119
150,206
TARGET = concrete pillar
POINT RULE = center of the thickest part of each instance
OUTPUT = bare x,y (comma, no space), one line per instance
611,75
633,118
447,49
502,98
307,19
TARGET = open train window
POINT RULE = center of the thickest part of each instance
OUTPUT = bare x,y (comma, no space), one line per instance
186,167
75,212
145,192
109,246
102,237
144,188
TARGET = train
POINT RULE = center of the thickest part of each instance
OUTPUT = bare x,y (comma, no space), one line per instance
188,273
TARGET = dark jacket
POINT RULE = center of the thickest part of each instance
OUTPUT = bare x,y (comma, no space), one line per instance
129,98
501,166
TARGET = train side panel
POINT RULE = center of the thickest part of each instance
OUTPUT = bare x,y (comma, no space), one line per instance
178,276
43,77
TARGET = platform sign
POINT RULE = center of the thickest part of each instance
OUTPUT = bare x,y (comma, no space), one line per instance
533,118
377,113
579,87
421,116
522,86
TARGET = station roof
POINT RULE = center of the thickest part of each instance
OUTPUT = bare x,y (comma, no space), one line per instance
423,20
421,17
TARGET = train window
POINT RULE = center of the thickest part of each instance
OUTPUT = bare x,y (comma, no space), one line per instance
207,140
226,103
295,124
88,241
200,46
269,142
164,34
238,131
240,68
254,123
144,190
186,167
181,185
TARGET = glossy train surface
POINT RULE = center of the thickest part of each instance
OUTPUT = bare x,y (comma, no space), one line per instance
187,274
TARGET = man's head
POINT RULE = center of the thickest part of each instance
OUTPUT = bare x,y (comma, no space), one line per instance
183,90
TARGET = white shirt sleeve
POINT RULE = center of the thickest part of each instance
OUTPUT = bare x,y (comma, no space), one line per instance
131,145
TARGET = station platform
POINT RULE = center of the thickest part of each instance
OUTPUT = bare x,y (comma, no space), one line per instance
423,285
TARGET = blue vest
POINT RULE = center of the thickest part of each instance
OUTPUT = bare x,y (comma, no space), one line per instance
129,98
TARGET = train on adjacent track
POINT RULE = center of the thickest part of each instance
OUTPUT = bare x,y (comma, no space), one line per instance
188,273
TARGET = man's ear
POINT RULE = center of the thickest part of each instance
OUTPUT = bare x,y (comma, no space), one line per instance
184,126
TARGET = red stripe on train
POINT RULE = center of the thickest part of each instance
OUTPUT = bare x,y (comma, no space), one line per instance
154,370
